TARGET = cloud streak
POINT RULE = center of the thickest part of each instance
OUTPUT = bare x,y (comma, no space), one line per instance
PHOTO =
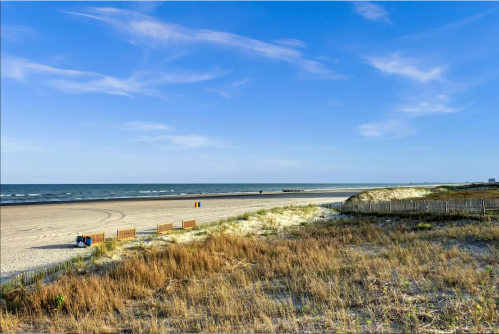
453,24
424,108
147,30
434,106
228,91
80,82
291,43
144,126
390,129
189,141
371,11
394,64
17,33
13,145
185,141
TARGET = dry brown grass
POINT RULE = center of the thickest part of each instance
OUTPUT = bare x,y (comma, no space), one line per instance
469,194
360,275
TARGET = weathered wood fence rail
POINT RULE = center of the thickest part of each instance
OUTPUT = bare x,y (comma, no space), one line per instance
188,224
126,234
29,277
471,206
97,238
165,228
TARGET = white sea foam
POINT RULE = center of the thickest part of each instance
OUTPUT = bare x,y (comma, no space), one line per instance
33,194
144,191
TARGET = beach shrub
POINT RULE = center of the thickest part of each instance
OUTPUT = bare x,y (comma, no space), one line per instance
59,301
423,227
244,216
112,244
261,212
100,251
489,270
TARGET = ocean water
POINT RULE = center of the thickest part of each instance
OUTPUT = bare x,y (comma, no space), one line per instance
28,193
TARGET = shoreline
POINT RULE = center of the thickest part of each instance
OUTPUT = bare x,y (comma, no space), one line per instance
209,196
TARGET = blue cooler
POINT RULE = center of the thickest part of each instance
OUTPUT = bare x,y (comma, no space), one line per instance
88,241
199,204
79,238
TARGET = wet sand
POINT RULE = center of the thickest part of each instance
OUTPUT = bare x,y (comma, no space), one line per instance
35,236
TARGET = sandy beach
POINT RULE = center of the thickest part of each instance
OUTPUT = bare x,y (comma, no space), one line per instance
35,236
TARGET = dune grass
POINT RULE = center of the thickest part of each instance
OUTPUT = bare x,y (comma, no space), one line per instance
359,275
463,194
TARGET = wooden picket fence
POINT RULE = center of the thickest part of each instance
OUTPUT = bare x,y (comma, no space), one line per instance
32,276
478,206
165,228
188,224
126,234
97,238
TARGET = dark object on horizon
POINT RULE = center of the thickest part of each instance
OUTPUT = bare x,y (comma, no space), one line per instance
291,190
260,191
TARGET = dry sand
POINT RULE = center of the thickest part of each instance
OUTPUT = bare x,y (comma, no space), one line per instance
35,236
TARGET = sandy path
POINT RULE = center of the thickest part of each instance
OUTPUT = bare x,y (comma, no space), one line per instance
34,236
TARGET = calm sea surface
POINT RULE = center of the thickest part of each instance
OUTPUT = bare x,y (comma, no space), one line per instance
24,193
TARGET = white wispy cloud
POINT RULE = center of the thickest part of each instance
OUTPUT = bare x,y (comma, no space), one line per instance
371,11
14,145
144,126
291,42
428,108
17,33
228,90
179,141
79,82
453,24
334,60
394,64
189,141
390,129
147,6
431,106
147,30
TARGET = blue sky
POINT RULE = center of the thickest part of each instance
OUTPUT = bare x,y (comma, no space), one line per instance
111,92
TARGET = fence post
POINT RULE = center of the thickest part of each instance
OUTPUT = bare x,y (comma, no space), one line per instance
390,206
483,206
446,206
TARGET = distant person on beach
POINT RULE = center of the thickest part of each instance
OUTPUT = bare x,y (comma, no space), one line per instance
260,191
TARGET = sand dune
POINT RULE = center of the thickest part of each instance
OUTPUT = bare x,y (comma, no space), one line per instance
34,236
